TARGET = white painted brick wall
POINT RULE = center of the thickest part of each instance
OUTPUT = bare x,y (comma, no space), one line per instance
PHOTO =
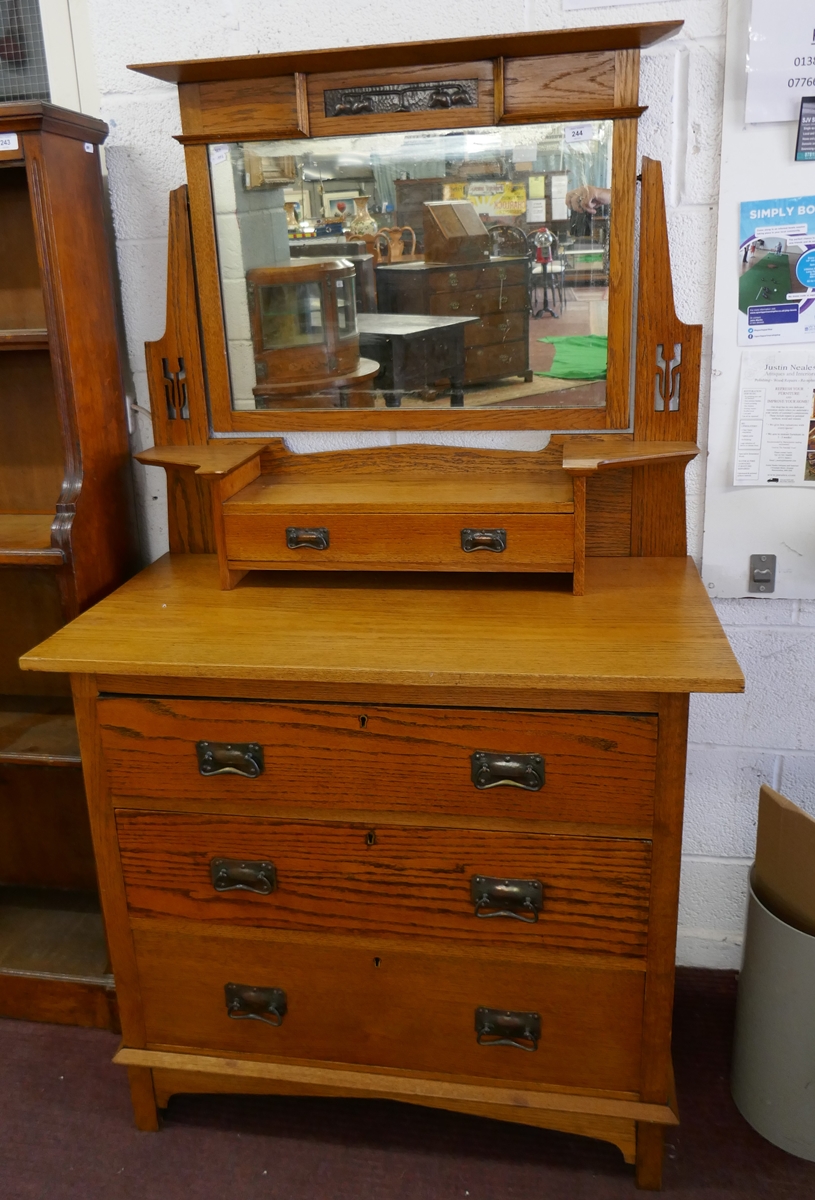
736,742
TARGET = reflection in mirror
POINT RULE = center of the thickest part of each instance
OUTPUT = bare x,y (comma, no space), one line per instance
463,268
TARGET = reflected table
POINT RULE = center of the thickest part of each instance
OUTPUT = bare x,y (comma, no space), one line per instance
414,351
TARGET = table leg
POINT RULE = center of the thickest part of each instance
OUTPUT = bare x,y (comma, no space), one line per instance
397,372
458,356
546,308
650,1146
143,1098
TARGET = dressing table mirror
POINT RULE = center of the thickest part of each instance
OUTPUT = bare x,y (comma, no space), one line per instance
500,297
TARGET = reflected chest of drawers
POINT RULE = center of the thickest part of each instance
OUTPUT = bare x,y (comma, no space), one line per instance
497,292
414,843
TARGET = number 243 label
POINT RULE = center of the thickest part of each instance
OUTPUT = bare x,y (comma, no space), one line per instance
9,141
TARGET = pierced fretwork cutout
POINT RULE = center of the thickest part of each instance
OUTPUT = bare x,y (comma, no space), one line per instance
667,379
175,390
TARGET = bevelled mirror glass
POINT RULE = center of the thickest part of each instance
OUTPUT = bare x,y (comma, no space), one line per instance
463,268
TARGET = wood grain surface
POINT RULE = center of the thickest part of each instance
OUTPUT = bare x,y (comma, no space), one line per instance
402,1085
178,352
534,86
390,542
234,109
410,882
620,1131
643,625
395,1009
537,491
31,459
584,456
396,54
25,541
599,768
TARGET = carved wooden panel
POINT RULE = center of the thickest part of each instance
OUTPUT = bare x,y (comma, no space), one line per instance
429,97
175,372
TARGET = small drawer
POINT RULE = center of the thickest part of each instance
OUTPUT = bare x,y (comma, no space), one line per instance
397,541
493,362
492,275
388,1008
578,894
480,302
598,768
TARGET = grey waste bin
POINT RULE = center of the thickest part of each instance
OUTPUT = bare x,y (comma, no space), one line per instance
773,1078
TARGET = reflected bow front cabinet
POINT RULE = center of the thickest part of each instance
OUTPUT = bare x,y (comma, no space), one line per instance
386,757
66,540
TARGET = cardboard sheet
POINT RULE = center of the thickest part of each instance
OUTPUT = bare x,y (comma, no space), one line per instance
784,876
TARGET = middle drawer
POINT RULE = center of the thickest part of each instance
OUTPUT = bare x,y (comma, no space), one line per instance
538,890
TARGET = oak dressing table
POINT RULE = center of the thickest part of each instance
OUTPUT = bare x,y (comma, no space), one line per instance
385,760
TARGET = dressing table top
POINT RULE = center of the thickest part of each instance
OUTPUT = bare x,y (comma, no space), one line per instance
644,625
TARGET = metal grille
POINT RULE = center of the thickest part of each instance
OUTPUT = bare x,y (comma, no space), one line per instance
23,73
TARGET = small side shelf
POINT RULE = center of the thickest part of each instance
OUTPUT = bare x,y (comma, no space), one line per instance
23,339
39,739
25,541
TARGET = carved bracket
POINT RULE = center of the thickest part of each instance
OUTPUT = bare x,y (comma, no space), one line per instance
401,98
175,390
175,370
667,379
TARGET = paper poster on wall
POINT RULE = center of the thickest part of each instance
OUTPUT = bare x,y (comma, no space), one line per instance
560,188
776,267
498,199
780,59
775,437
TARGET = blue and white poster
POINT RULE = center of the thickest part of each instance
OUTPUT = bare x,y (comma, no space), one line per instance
777,272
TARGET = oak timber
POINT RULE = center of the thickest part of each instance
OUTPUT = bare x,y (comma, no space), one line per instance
643,625
546,42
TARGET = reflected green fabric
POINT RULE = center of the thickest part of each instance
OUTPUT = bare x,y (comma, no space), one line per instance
580,357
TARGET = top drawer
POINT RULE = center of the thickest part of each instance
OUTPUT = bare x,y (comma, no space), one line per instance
596,768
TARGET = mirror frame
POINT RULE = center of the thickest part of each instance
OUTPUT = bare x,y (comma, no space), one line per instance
536,78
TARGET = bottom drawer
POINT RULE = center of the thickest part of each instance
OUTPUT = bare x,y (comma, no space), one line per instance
494,362
392,1007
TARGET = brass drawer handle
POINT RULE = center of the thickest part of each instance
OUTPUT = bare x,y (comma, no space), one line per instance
498,1027
515,770
453,278
484,539
454,304
230,758
247,1003
316,539
507,898
233,875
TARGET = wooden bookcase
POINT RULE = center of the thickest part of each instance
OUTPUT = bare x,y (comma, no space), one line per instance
65,541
